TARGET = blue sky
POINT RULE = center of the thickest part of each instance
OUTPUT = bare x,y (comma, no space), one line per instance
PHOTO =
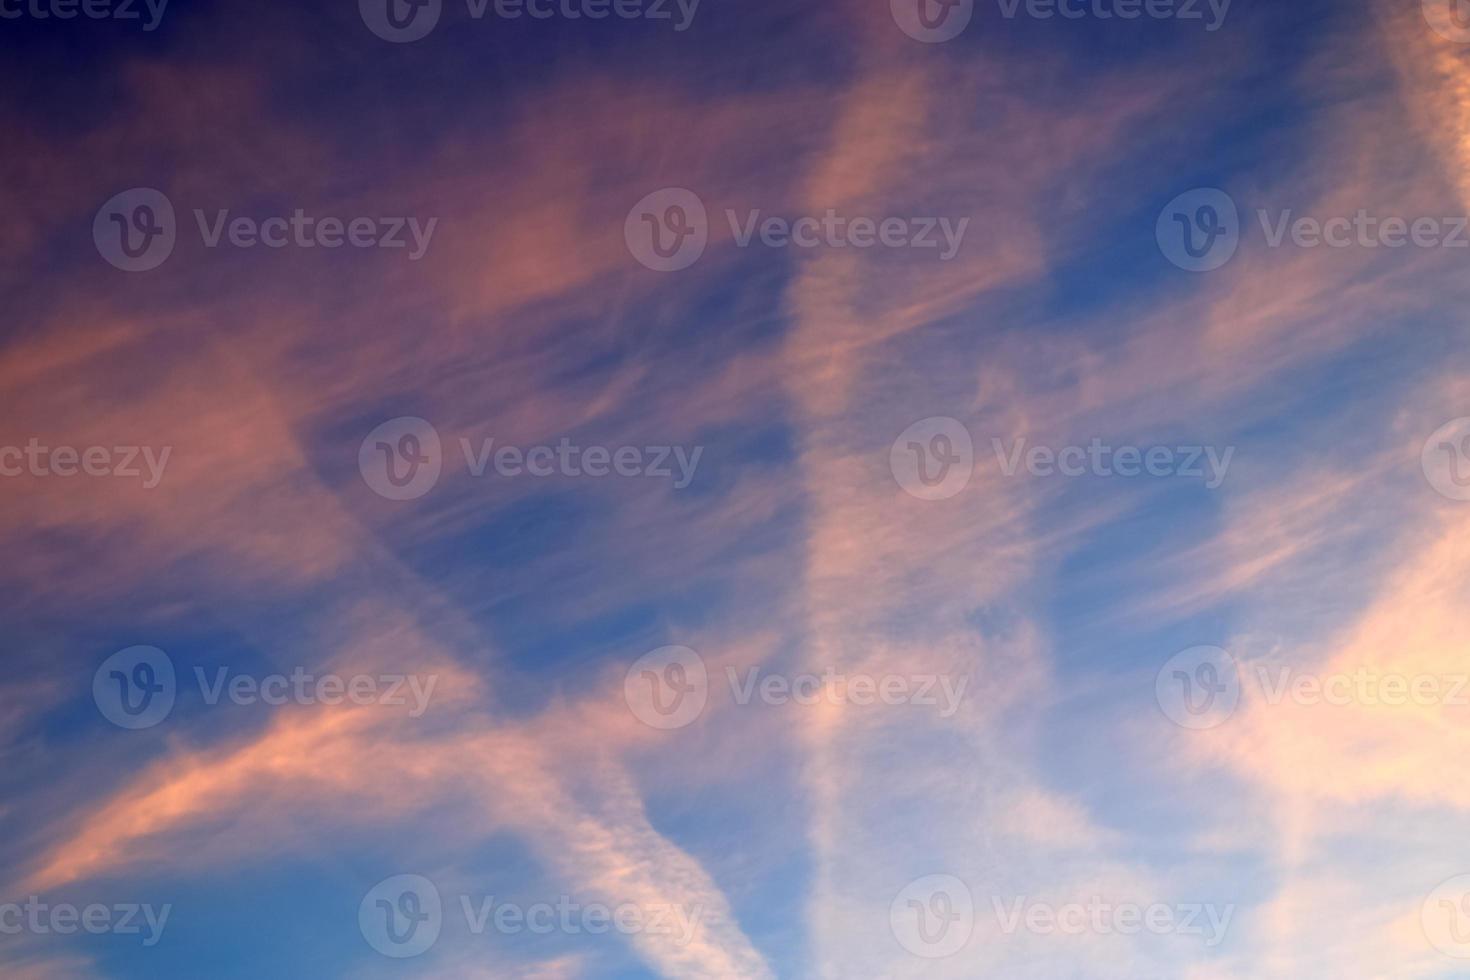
484,504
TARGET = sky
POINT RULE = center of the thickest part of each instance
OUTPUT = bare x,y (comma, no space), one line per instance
557,489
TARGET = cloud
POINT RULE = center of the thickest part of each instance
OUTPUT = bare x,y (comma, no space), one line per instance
553,781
